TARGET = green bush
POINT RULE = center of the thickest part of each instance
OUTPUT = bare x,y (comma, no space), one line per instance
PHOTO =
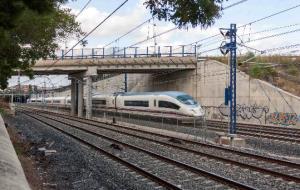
260,71
249,55
2,111
292,70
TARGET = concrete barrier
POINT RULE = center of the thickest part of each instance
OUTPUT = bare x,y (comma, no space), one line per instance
12,176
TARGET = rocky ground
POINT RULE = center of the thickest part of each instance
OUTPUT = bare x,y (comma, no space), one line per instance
66,164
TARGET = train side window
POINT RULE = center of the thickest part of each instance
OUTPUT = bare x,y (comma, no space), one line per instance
103,102
136,103
166,104
154,103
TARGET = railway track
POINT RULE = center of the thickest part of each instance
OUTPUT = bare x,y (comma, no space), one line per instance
287,171
289,135
168,173
275,133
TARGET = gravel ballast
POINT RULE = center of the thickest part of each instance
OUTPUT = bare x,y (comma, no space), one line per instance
73,166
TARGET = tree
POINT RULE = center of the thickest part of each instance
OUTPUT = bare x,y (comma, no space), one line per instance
186,12
31,30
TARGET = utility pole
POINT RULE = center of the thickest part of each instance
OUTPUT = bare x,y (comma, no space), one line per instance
230,91
19,85
125,82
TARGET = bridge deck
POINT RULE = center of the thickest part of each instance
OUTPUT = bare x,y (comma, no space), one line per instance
115,65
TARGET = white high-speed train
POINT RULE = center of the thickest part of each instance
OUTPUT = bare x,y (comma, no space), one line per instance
171,102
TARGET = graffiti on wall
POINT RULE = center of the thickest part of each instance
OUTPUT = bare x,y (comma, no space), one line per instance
283,118
245,111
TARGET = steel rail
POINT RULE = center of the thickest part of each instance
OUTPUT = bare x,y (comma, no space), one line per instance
258,134
249,166
139,170
269,159
188,167
257,126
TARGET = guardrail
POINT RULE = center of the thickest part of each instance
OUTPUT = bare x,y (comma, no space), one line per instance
127,52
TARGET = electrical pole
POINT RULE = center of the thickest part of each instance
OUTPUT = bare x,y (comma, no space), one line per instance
233,79
19,85
125,82
230,91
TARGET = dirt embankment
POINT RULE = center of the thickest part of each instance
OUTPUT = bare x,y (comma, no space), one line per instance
28,161
281,71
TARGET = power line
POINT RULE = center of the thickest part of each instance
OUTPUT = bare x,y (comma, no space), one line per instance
257,39
234,4
227,7
133,29
89,33
83,8
261,52
269,16
162,33
209,50
282,48
252,22
272,29
147,39
274,35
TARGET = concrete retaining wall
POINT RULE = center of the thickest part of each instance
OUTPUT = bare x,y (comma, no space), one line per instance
12,176
258,101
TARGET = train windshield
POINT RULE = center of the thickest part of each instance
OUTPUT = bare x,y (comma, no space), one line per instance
186,99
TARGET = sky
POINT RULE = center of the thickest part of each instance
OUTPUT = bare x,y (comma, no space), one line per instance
134,13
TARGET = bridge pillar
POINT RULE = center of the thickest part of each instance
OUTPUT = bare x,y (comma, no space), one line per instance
91,71
88,102
80,97
73,96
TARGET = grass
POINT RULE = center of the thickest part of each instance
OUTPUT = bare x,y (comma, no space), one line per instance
2,111
4,107
293,70
278,59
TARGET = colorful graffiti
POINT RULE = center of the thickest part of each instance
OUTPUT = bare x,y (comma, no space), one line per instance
283,118
246,112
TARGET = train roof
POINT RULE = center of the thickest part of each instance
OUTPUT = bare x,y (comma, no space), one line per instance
167,93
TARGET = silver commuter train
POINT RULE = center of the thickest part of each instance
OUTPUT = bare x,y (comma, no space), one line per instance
169,102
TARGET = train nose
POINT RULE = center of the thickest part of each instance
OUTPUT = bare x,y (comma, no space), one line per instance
197,112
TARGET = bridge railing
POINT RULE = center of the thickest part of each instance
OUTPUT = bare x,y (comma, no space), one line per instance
128,52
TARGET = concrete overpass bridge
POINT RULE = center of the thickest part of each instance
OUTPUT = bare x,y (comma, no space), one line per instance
80,64
126,60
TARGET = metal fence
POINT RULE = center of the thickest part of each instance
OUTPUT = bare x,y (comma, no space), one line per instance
127,52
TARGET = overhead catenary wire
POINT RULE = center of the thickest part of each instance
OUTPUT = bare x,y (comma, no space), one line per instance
269,50
234,4
84,7
255,21
271,29
274,35
130,31
250,23
257,39
227,7
90,32
269,16
154,36
147,39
